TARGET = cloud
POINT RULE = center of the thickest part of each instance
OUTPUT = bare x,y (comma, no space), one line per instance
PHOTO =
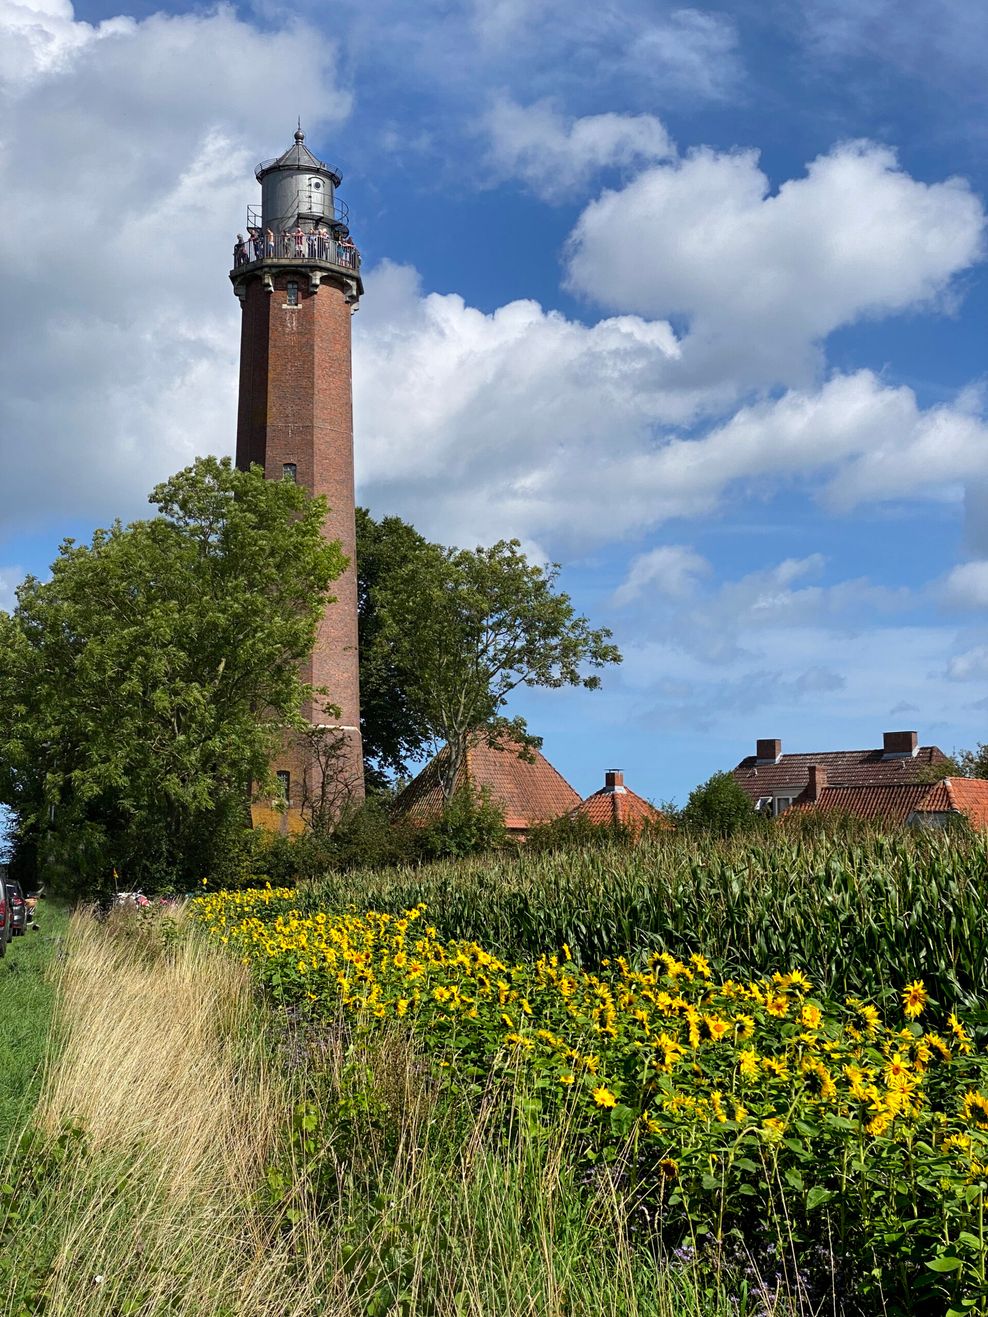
119,341
972,665
517,422
451,53
966,586
556,156
671,570
762,278
724,622
10,579
942,40
525,422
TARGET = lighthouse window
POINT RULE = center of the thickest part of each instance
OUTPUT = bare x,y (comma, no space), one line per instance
291,293
289,471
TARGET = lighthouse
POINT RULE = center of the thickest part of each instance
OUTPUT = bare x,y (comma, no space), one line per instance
296,272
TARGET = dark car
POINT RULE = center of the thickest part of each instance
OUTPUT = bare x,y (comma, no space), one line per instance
6,917
18,908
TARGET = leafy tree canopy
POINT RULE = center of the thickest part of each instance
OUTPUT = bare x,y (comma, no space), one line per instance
144,686
465,628
391,728
720,806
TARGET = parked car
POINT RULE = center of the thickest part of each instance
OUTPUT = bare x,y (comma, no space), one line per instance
6,915
18,908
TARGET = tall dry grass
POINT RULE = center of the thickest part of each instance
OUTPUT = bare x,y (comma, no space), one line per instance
166,1074
162,1178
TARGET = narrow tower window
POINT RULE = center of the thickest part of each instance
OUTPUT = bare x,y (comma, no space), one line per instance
291,293
284,783
289,471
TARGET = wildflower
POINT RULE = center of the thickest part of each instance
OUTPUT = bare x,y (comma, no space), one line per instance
811,1016
960,1034
716,1027
717,1103
871,1018
745,1026
777,1004
897,1067
700,964
668,1168
934,1041
798,980
567,1077
773,1129
748,1063
775,1067
401,1006
914,998
975,1107
604,1097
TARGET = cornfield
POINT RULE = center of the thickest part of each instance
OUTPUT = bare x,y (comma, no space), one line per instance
864,909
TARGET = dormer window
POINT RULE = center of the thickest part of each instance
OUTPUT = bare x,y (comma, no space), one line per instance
291,293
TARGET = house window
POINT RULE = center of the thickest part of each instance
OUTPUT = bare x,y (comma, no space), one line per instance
291,293
782,803
289,471
284,783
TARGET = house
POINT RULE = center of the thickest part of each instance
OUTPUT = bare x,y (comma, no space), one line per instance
952,798
773,780
894,802
528,792
927,804
616,805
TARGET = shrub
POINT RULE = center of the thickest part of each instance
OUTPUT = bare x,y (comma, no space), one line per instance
720,806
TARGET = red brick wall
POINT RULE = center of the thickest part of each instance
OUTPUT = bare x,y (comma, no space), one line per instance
296,406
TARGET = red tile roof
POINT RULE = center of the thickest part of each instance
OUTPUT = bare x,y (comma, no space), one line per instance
958,795
527,792
618,805
844,768
884,804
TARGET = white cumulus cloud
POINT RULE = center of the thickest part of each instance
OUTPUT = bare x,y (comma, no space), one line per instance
966,585
672,570
763,277
129,149
556,155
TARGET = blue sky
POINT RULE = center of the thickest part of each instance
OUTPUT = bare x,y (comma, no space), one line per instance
690,300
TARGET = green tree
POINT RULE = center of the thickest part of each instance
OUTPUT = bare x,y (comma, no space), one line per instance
719,806
974,763
466,628
144,686
390,724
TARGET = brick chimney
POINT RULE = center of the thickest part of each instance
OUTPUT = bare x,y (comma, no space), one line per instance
768,752
895,744
817,782
614,780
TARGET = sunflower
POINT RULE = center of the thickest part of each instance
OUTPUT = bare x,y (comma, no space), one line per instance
914,999
604,1097
976,1108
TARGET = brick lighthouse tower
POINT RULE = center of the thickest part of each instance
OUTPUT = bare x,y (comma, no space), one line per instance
297,275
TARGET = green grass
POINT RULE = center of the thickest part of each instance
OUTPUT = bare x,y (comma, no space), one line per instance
27,1003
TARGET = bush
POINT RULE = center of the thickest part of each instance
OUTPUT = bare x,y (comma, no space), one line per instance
721,807
472,822
577,832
